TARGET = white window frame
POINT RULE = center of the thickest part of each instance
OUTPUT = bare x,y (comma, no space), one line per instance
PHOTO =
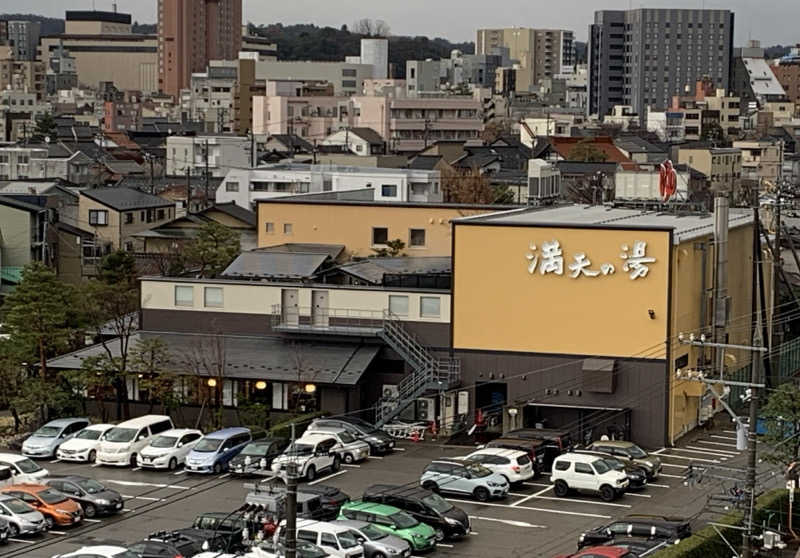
178,301
423,313
208,304
399,298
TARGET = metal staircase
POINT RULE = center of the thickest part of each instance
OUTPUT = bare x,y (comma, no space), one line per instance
428,372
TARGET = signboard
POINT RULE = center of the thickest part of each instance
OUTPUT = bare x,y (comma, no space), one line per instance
550,261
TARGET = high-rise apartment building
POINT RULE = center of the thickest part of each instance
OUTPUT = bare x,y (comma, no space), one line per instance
643,57
537,53
190,34
23,38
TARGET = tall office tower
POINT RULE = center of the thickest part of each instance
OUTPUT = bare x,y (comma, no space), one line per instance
643,57
192,32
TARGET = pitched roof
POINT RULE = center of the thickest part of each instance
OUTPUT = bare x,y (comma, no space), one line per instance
424,162
124,167
332,250
16,203
293,142
374,269
123,199
275,265
564,147
235,211
368,135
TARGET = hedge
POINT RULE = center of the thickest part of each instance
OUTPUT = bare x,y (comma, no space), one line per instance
772,507
284,429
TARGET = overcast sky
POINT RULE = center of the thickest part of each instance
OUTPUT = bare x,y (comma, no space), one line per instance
771,21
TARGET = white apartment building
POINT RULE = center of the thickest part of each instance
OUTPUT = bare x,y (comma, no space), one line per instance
224,154
347,78
210,96
42,162
669,126
245,187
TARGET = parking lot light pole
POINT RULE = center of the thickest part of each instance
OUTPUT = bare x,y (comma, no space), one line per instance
291,503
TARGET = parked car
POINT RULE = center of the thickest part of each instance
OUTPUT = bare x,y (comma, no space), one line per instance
554,442
83,446
661,528
22,518
630,452
56,508
637,476
3,531
514,465
169,449
377,543
464,477
122,444
331,498
379,441
101,551
601,552
311,456
275,549
22,468
423,505
536,451
393,521
214,451
256,457
45,441
350,448
180,542
336,539
226,528
93,497
587,473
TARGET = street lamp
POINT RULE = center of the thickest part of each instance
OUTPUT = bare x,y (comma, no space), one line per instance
212,382
311,388
261,384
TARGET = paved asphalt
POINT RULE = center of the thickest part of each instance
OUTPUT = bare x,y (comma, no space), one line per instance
530,522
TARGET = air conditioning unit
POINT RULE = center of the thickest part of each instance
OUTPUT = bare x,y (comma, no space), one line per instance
426,409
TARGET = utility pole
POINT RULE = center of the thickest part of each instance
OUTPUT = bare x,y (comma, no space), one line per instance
750,488
188,188
152,177
253,154
205,156
425,131
720,279
291,503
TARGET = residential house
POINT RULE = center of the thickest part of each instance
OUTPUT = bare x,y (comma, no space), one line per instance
360,141
722,165
761,159
213,153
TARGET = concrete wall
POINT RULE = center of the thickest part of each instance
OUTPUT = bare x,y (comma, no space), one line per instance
15,237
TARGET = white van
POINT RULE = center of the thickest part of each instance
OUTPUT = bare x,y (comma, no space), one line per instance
339,541
121,445
22,468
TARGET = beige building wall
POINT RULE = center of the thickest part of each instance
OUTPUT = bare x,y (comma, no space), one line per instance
104,234
95,27
15,237
722,167
118,231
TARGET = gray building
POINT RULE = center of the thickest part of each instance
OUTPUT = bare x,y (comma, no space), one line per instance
23,37
643,57
431,76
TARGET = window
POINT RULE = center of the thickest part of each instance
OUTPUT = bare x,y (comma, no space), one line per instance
584,468
270,228
287,228
348,83
380,236
308,536
213,297
326,539
231,186
348,72
184,296
429,306
416,238
562,466
389,190
161,214
398,305
98,217
128,218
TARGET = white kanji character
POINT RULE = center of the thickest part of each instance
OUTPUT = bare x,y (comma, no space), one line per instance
607,269
580,267
635,263
552,258
533,258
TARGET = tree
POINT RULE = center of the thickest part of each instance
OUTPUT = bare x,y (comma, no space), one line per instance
495,129
212,250
40,314
393,249
782,417
46,127
585,151
206,358
466,186
12,375
371,28
150,358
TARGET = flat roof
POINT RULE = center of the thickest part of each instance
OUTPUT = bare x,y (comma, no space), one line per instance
684,225
300,200
93,15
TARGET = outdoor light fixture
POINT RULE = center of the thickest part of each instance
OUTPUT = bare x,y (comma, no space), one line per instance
261,384
212,382
311,388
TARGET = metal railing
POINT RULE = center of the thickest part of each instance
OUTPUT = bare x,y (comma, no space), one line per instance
326,319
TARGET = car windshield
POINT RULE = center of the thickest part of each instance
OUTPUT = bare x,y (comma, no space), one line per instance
348,539
121,435
372,532
636,452
51,496
346,438
255,449
90,485
437,503
601,467
207,445
15,505
402,520
47,432
363,425
164,442
88,434
300,449
27,466
615,464
478,471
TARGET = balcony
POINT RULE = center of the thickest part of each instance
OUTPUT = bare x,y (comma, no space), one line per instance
327,321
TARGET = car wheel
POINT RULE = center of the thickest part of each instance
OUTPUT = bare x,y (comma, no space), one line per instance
311,473
379,555
48,522
89,510
92,456
607,493
560,488
439,535
13,530
336,465
173,464
430,485
348,458
217,468
481,494
133,460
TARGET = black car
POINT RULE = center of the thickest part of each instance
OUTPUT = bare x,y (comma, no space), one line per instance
256,457
637,477
425,506
93,497
379,441
331,498
648,527
225,527
4,531
182,542
554,443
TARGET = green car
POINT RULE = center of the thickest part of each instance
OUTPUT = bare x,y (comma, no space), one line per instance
393,521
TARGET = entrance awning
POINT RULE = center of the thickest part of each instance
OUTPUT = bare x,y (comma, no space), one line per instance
578,407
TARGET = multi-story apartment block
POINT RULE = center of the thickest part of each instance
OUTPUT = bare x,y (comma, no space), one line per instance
218,154
414,124
787,71
433,76
51,161
753,80
722,166
761,159
643,57
210,96
18,113
23,37
347,78
21,75
312,118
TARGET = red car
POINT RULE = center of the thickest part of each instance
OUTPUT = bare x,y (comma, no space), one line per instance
601,552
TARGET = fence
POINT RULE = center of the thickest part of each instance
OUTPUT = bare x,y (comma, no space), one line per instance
786,366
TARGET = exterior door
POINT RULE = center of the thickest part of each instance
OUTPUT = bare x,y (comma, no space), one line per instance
290,311
320,315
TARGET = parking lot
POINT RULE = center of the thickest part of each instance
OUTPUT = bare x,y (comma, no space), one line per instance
531,521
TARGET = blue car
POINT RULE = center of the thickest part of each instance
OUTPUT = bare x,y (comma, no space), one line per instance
214,451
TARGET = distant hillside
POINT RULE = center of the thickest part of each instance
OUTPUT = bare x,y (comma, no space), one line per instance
54,25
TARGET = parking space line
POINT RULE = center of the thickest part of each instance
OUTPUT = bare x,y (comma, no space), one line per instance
95,465
60,533
136,469
150,484
399,449
590,502
328,477
689,459
638,495
444,545
507,522
529,508
716,443
534,495
541,484
20,541
351,466
663,485
474,533
711,451
658,451
729,431
55,461
127,510
225,476
668,477
374,457
87,520
179,473
671,465
723,437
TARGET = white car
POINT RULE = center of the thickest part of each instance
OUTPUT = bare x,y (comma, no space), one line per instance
514,465
101,551
22,468
168,449
83,447
349,448
339,541
311,456
587,473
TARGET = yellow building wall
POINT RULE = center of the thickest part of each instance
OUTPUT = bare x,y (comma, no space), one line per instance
108,233
500,306
351,225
